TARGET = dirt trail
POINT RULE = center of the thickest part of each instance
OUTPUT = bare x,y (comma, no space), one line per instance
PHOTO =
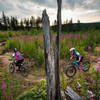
34,76
4,63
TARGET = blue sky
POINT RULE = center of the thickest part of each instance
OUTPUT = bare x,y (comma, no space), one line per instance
85,10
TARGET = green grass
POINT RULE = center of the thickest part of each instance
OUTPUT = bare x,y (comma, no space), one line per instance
36,93
33,48
30,49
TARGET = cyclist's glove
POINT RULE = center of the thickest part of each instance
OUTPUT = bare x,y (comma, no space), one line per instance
77,62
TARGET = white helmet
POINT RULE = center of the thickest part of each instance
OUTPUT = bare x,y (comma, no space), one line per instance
72,49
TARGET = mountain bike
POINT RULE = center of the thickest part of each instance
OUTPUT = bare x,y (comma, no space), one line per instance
74,66
23,68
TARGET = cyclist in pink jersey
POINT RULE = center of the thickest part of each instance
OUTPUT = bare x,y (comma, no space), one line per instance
19,58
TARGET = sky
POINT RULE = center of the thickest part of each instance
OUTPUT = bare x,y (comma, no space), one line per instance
84,10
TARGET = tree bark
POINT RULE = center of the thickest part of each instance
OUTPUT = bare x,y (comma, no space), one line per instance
51,61
57,52
49,58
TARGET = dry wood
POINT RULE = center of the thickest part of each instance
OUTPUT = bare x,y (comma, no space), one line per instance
49,58
57,52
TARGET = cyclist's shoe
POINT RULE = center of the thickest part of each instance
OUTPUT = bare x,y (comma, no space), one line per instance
17,69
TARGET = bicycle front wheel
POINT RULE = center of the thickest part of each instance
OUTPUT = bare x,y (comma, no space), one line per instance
11,68
71,71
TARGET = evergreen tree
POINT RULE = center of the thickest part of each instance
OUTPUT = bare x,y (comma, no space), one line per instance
0,23
27,23
21,24
78,25
38,22
32,21
70,25
78,21
8,22
16,23
71,21
55,22
4,20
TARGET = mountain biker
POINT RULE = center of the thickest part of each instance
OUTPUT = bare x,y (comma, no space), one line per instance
19,58
77,55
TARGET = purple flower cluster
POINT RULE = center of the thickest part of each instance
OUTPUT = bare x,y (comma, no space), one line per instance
4,86
97,66
89,48
76,36
91,79
98,59
25,37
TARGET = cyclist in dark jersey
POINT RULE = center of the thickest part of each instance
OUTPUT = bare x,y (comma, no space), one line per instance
77,55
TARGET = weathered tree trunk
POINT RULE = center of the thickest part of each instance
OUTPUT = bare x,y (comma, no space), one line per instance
51,61
57,52
49,58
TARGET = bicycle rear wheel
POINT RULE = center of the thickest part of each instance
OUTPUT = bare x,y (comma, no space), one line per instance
86,66
24,72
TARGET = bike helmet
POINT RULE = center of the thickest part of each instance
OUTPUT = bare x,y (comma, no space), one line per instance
15,49
72,49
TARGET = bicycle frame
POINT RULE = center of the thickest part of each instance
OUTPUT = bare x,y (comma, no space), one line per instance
75,63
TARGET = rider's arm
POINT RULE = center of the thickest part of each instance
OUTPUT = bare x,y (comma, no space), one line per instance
78,54
71,57
13,55
79,58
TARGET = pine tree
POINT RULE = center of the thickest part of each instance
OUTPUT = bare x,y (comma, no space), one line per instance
55,22
21,24
38,22
4,20
32,21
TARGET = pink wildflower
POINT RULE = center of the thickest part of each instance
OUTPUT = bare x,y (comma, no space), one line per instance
5,61
98,59
91,98
89,48
61,67
97,67
91,79
4,86
98,62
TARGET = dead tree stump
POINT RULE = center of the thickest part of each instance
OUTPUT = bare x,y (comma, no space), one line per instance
49,57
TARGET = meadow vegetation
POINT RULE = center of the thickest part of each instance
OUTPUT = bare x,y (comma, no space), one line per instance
30,43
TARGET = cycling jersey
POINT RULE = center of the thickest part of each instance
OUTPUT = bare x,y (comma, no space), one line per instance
18,56
77,55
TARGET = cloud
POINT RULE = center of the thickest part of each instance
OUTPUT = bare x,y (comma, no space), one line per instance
46,3
5,6
76,9
84,4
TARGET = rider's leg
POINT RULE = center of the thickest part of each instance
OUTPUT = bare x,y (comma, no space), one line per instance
16,63
80,63
19,63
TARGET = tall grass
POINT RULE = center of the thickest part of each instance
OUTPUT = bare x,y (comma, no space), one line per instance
33,47
30,49
36,93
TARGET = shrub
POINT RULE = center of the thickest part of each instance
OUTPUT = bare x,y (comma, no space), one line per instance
13,43
3,37
0,92
95,75
63,81
64,49
9,88
40,57
31,49
36,93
